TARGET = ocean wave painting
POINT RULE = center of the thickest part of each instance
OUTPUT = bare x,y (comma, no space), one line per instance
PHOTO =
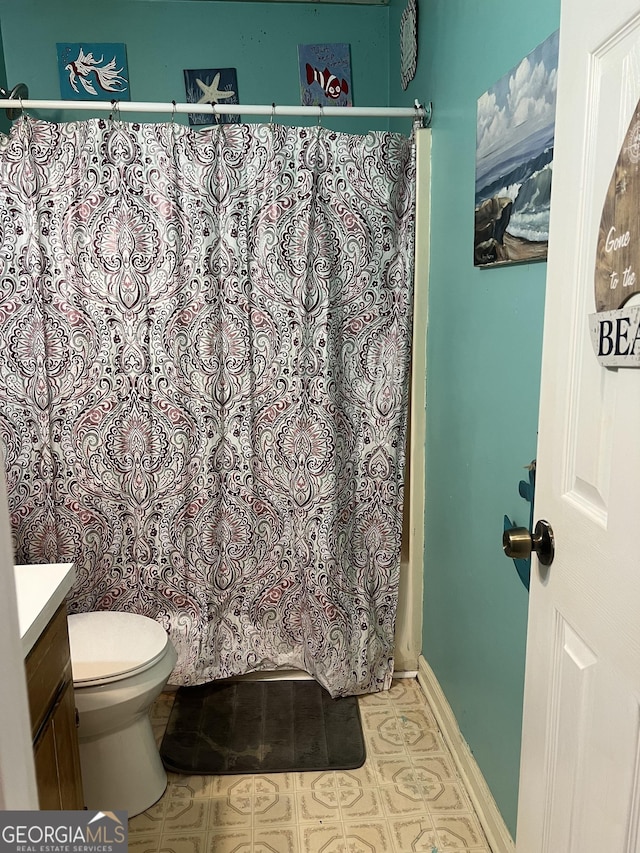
514,158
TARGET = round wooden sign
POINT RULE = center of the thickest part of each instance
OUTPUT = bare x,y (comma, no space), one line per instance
617,274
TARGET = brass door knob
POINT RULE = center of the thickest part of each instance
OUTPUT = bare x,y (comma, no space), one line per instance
519,543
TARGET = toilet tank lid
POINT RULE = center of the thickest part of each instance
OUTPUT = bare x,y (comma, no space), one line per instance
106,644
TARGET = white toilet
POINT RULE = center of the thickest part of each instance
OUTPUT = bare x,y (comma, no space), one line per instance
120,662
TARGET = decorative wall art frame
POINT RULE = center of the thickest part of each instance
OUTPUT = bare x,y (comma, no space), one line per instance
325,75
408,43
514,158
93,71
212,86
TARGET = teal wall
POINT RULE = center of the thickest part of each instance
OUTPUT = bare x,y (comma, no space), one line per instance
483,368
485,325
258,39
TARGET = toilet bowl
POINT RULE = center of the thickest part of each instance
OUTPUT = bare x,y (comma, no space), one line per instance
120,662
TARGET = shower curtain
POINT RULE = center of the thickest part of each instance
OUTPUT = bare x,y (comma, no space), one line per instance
204,354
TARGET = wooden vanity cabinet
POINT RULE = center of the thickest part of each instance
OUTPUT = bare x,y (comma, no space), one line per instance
53,718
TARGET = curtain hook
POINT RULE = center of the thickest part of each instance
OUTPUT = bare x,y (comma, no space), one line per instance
173,112
273,112
418,119
320,114
115,111
16,94
24,116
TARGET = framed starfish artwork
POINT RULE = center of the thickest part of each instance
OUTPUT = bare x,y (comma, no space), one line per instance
93,71
212,86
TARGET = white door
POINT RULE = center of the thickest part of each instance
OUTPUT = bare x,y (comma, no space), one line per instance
580,773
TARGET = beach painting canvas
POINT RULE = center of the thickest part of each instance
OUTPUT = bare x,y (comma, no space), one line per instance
325,75
212,86
90,71
514,157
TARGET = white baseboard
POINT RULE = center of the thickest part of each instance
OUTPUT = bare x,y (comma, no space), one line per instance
489,815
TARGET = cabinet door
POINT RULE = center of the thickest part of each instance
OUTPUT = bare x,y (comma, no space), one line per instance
53,718
67,754
56,757
44,754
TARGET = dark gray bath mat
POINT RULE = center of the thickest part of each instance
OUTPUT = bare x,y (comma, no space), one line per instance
262,727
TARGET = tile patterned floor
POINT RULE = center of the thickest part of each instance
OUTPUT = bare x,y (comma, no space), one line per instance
407,798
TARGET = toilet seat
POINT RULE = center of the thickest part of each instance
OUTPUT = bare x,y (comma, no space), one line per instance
108,646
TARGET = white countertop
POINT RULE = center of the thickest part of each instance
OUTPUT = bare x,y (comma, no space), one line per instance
40,590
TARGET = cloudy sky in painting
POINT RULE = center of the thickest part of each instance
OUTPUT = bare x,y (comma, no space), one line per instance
521,103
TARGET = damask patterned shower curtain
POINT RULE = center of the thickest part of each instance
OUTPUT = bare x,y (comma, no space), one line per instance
204,355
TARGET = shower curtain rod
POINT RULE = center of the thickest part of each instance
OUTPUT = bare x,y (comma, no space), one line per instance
14,107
